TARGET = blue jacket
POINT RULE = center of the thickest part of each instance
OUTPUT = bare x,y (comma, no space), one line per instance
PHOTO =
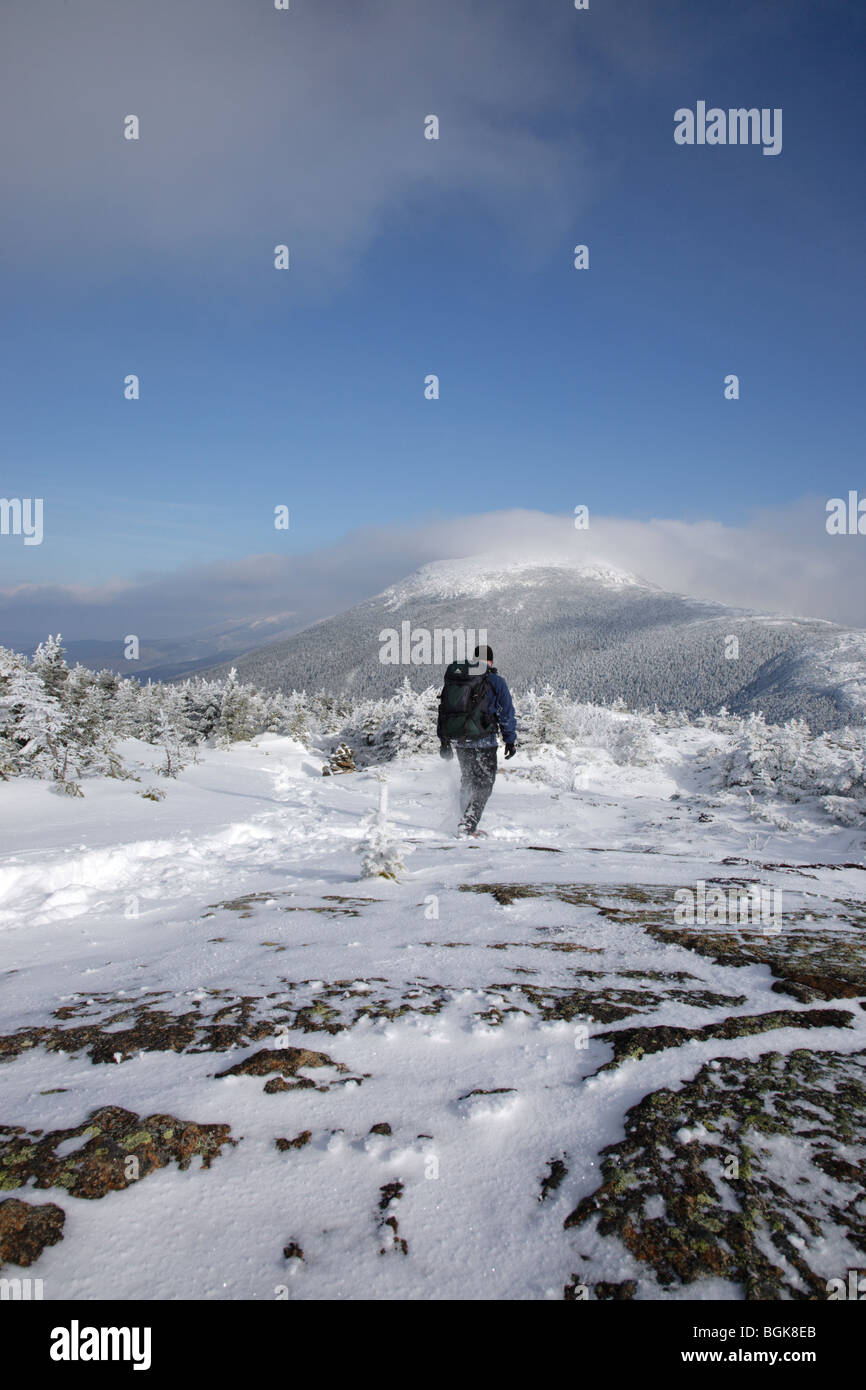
502,709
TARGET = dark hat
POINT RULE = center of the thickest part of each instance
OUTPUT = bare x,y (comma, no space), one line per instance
487,653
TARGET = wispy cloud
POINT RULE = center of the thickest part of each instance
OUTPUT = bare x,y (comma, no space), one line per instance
260,126
782,562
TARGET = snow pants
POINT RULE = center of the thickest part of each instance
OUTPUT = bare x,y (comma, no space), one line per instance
477,775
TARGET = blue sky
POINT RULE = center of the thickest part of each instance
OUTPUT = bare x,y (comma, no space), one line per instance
558,387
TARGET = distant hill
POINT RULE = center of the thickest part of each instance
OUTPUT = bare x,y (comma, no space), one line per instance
165,658
591,629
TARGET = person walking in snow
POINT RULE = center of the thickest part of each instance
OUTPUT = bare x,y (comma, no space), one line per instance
473,704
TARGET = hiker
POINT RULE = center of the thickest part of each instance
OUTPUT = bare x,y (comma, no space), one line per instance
472,705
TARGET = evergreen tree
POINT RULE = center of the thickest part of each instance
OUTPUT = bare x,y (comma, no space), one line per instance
148,721
202,700
10,744
38,725
297,717
380,853
236,720
50,665
126,709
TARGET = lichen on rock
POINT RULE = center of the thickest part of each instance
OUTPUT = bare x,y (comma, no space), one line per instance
740,1201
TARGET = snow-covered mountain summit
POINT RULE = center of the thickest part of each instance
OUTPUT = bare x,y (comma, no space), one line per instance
586,627
479,575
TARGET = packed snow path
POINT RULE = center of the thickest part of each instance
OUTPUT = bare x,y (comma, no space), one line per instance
410,1084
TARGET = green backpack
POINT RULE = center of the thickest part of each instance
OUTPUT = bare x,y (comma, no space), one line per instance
464,702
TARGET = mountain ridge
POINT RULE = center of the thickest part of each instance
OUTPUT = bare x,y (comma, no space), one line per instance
586,627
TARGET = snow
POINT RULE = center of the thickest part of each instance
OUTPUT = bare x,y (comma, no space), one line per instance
115,897
477,575
838,664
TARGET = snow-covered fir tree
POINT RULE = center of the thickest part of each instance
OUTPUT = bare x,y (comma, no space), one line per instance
62,724
202,701
50,665
379,850
236,720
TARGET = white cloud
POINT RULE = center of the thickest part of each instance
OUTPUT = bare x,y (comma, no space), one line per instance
261,126
781,562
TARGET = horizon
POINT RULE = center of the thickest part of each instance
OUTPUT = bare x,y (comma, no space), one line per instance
699,568
582,284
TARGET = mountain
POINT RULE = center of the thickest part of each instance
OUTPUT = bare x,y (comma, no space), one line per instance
589,628
165,658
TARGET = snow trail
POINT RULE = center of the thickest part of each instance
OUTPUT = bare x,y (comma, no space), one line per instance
473,1006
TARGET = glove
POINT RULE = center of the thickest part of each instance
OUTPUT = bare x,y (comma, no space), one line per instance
510,750
446,751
